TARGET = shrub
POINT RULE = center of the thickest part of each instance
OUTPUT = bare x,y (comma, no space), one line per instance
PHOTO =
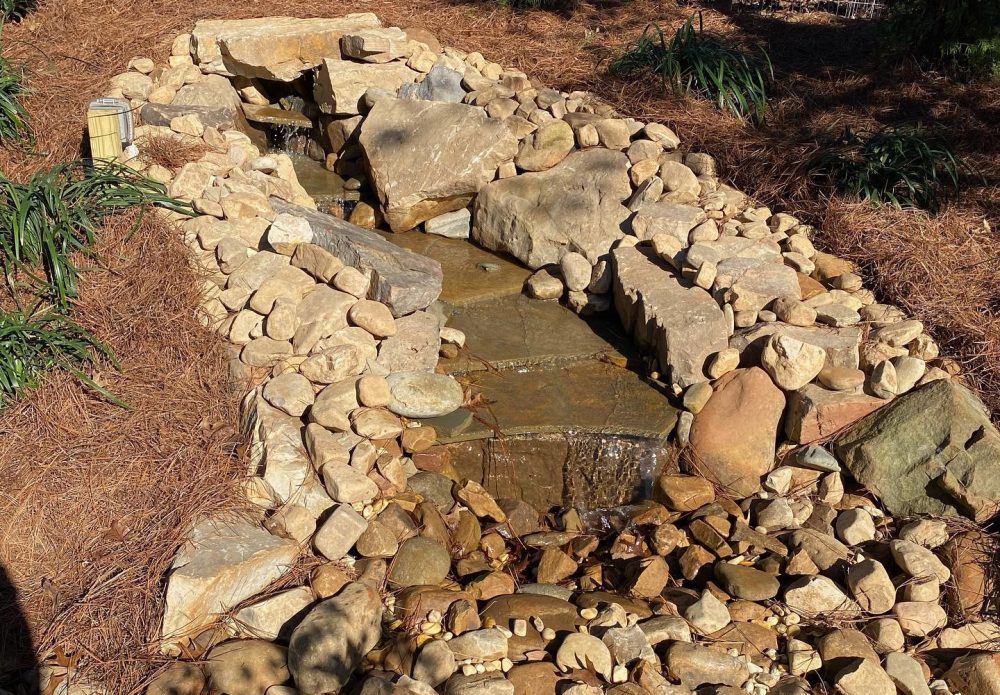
13,117
56,213
33,343
963,35
698,62
896,165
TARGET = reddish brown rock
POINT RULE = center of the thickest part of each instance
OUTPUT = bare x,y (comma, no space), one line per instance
684,493
733,438
816,413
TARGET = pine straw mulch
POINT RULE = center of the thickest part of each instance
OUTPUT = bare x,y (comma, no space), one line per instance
96,498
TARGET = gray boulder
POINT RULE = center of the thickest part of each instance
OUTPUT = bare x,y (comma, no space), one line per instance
932,451
574,206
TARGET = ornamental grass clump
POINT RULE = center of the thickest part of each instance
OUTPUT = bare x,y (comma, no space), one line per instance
700,63
13,116
32,343
56,213
900,165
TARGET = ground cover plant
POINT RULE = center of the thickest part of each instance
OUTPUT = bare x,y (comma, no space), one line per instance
13,116
56,213
697,62
901,166
962,35
33,342
13,10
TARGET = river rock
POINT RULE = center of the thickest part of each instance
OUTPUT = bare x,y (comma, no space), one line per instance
221,564
273,48
863,677
575,206
274,617
918,561
419,561
817,595
920,618
694,666
746,583
682,325
246,667
423,394
459,149
331,640
734,436
480,645
872,586
900,452
907,674
546,147
975,674
435,663
579,650
790,362
708,614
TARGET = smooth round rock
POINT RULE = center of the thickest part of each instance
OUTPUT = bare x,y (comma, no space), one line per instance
419,561
423,394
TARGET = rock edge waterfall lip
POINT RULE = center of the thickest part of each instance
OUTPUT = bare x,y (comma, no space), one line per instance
548,275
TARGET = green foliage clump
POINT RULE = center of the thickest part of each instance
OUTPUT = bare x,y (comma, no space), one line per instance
14,10
13,116
697,62
57,212
896,165
963,35
32,343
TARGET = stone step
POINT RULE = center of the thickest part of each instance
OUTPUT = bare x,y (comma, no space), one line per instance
471,274
593,396
517,332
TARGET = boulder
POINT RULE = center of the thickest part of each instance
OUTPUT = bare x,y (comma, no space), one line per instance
273,48
437,163
574,206
331,640
222,563
341,84
733,438
905,451
402,280
683,326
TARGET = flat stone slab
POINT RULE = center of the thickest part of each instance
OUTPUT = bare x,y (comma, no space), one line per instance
211,117
516,331
681,324
471,274
222,563
275,115
402,280
594,397
274,48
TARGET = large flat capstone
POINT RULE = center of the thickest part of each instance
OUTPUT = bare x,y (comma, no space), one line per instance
402,280
427,158
682,325
273,48
574,206
916,451
222,563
